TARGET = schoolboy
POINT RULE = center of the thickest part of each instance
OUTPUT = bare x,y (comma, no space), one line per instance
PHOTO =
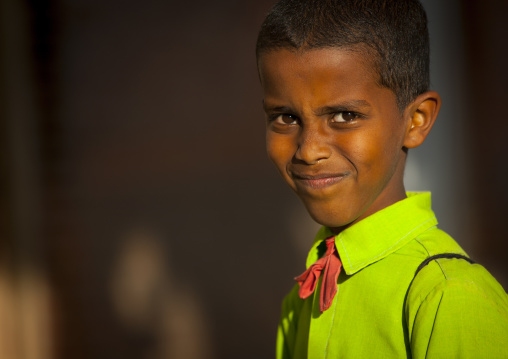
346,95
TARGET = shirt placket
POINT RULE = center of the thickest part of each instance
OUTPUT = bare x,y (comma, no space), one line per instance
321,326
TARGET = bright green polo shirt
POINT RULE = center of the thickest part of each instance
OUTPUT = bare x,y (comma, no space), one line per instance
452,309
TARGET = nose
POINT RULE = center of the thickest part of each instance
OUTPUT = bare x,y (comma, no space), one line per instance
312,145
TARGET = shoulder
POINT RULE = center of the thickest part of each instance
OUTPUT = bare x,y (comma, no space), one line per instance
291,308
456,309
435,241
452,275
431,242
292,300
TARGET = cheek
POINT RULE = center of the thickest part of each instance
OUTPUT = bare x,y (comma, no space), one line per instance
384,154
280,149
374,152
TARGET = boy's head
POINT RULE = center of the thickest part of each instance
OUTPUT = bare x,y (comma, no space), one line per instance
340,116
393,32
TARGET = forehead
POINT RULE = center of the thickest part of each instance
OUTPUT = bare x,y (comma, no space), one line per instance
328,62
328,74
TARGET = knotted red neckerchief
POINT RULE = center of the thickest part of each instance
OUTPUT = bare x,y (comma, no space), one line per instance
330,262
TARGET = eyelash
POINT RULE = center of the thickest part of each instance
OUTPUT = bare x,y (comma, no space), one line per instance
275,117
355,116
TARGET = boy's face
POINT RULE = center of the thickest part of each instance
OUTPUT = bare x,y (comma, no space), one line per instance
334,134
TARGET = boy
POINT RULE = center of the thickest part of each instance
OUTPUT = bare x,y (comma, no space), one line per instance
345,86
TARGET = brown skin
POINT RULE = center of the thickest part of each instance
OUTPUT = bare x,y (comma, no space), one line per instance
336,136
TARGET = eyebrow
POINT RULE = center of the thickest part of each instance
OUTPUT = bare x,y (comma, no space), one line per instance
351,105
276,108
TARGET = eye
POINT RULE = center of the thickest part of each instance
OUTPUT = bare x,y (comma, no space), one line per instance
285,119
344,116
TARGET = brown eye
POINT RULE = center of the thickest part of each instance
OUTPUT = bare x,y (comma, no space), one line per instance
344,116
286,119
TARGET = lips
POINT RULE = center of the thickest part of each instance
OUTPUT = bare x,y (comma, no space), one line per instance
318,181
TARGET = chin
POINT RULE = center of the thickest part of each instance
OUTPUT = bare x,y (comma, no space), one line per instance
330,219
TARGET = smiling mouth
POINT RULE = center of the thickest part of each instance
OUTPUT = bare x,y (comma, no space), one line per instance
318,181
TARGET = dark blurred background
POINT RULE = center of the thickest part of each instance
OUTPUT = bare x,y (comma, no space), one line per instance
139,215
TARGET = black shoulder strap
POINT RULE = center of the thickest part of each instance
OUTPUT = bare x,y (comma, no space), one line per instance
443,255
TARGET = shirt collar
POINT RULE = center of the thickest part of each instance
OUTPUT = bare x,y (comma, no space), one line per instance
380,234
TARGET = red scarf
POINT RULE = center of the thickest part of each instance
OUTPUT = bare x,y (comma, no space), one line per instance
330,262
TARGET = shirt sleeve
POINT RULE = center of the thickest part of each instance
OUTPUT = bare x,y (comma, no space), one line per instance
286,331
463,316
293,331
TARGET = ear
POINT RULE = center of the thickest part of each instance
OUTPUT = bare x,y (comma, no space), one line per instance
421,115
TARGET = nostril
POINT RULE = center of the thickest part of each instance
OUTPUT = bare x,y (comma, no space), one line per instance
313,151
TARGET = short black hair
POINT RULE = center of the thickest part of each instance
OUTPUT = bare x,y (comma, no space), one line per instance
393,32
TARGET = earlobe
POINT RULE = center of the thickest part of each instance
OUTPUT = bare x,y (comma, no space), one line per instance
421,113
